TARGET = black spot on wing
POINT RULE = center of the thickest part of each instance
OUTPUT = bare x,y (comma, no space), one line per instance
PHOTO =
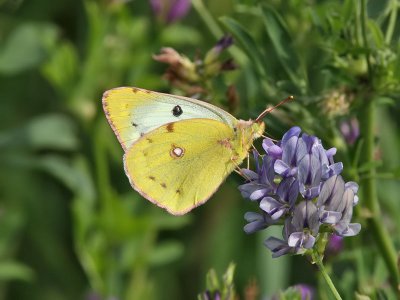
177,111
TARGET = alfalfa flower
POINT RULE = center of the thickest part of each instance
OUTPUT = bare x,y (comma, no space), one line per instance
219,288
298,292
297,183
350,130
169,11
193,76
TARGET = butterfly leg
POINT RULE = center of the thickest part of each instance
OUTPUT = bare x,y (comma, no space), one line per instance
238,170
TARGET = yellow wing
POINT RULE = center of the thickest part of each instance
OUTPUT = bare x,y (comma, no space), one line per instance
179,165
133,112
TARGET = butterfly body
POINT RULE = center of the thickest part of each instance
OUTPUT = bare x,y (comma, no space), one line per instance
178,150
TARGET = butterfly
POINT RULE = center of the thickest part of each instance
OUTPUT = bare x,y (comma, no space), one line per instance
178,150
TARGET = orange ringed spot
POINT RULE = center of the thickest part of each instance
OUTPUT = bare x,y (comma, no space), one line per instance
177,152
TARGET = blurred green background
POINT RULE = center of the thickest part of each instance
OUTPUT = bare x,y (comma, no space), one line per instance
71,227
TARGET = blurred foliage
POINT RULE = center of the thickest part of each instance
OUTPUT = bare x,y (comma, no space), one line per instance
70,225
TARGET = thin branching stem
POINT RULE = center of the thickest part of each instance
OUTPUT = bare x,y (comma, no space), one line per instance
370,196
317,259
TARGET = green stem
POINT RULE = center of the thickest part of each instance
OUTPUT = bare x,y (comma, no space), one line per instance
370,197
392,21
368,183
317,259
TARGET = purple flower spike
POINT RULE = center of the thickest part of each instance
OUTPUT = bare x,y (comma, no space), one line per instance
306,292
350,130
298,183
170,11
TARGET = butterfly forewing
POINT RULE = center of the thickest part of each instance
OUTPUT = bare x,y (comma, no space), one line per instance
180,165
134,112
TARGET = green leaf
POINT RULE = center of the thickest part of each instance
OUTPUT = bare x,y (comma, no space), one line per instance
282,44
166,252
52,131
25,47
376,34
12,270
72,176
386,101
62,68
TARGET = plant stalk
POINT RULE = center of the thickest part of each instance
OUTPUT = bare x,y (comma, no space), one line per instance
368,183
317,259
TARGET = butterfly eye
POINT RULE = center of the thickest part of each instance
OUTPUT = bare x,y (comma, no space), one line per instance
177,111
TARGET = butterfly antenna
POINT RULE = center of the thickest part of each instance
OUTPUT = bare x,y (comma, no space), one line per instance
269,109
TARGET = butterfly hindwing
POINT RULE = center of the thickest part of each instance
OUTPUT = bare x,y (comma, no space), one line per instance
180,165
134,112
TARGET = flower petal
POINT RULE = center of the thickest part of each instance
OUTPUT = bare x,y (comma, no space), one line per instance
249,174
281,167
294,131
277,246
330,217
